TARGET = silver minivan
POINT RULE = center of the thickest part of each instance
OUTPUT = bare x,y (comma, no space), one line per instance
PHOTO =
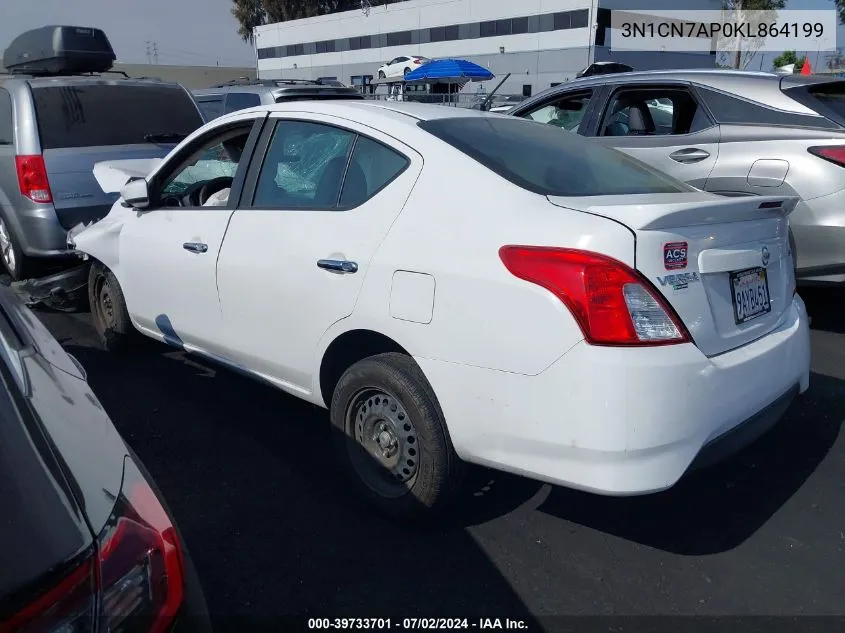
61,111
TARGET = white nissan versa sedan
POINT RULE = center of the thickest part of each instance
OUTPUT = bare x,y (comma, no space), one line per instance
457,286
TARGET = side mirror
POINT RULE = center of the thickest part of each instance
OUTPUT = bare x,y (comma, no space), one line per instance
136,193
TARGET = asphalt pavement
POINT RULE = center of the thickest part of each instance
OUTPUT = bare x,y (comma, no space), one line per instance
272,528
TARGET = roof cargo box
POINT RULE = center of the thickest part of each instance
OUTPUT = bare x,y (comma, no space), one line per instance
59,50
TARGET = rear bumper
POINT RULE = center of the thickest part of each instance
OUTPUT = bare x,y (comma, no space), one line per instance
623,421
39,231
818,225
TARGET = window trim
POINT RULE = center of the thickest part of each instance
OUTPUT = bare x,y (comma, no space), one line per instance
262,149
179,162
615,89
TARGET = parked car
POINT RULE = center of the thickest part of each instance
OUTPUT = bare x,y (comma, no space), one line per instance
729,132
248,93
87,535
401,66
604,68
57,120
573,315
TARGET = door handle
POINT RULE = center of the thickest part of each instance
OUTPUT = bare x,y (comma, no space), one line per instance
338,266
689,155
195,247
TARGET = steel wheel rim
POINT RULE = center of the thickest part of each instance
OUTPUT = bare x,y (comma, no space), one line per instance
7,251
385,450
105,304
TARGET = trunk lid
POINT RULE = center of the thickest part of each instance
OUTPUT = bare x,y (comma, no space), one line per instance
724,264
77,196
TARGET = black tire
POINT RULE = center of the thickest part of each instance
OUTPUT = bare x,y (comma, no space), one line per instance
19,266
395,383
381,74
407,70
108,311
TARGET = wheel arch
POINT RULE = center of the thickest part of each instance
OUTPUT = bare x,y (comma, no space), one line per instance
348,348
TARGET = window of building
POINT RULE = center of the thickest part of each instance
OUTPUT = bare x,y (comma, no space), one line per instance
452,32
579,19
488,29
503,27
401,38
526,90
437,34
327,46
295,49
563,20
519,25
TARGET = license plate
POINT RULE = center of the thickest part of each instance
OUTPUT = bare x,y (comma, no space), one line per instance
750,294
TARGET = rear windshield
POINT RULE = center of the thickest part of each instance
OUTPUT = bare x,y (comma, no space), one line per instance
548,160
96,114
831,95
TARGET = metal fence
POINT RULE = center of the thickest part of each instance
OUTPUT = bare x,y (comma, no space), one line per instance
459,100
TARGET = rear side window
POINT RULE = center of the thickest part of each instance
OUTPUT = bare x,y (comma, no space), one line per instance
828,99
7,125
212,107
241,100
548,160
372,167
733,110
97,114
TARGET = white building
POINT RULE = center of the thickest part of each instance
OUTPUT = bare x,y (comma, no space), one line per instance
540,42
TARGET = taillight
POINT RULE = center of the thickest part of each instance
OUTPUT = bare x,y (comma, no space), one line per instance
832,153
613,304
32,178
136,576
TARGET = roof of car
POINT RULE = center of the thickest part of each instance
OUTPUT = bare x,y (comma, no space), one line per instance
102,79
353,108
753,85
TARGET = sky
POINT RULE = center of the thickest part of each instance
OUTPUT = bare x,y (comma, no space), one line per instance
186,32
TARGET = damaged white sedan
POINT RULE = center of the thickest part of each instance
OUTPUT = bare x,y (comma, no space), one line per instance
456,287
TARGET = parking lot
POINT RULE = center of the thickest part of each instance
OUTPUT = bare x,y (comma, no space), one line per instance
248,473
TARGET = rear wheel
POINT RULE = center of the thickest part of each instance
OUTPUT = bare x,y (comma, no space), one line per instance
18,265
407,70
392,437
108,310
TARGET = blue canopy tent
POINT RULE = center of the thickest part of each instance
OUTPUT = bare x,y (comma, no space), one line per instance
449,71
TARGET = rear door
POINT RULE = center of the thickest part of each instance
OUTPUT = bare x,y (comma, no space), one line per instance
85,123
320,199
679,139
722,263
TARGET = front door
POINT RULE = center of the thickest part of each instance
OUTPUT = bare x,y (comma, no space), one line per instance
168,252
298,248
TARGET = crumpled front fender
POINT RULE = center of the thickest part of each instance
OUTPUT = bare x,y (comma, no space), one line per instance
100,239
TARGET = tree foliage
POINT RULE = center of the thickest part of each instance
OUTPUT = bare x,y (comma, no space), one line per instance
252,13
789,57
